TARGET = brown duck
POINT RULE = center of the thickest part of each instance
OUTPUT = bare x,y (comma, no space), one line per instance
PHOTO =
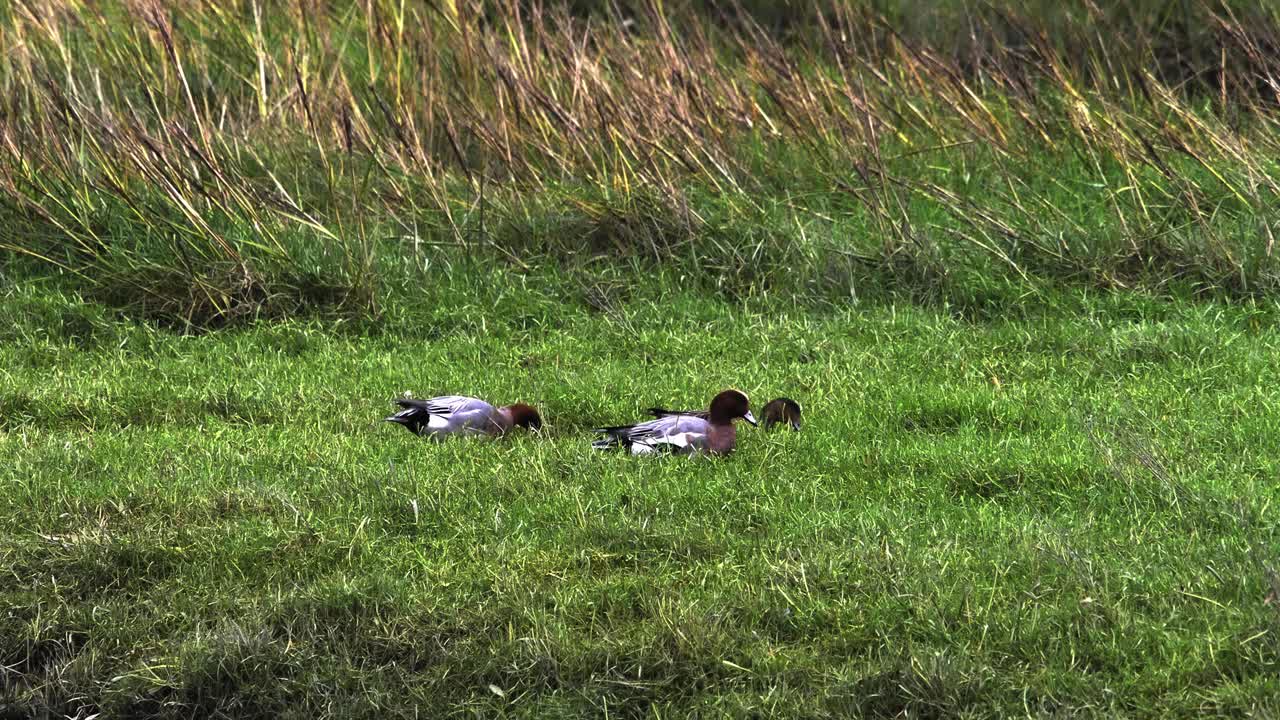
779,410
711,430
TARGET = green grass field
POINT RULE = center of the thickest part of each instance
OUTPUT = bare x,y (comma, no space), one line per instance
1015,260
1070,512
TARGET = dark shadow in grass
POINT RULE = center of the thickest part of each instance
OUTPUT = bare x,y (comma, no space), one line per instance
624,545
935,687
52,701
87,569
19,408
634,665
234,670
984,484
219,295
58,316
936,419
372,618
30,660
1037,483
22,409
949,415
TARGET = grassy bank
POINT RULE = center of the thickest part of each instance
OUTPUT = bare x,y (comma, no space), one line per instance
203,167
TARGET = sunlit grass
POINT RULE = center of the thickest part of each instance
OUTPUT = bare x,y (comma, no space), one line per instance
1070,512
1015,259
208,166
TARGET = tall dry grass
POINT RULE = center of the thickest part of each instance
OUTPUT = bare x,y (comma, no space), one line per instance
203,163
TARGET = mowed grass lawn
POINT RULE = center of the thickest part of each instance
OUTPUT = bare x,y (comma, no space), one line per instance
1065,508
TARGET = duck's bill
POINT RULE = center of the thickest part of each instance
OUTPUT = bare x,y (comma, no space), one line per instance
750,418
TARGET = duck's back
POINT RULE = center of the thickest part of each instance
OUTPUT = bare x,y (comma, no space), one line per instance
674,433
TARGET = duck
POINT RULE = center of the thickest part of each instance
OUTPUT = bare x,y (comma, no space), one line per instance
440,417
711,431
778,410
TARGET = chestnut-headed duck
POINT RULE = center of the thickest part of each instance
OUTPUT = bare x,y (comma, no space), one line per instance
778,410
710,431
439,417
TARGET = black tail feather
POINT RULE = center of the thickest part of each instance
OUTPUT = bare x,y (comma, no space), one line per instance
413,417
614,436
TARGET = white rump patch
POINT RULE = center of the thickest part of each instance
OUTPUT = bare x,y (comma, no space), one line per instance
678,443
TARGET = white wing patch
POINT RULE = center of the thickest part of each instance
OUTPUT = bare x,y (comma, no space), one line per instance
450,414
670,433
679,442
684,440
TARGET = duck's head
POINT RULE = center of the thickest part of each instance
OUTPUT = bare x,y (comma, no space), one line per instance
780,410
525,416
730,405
